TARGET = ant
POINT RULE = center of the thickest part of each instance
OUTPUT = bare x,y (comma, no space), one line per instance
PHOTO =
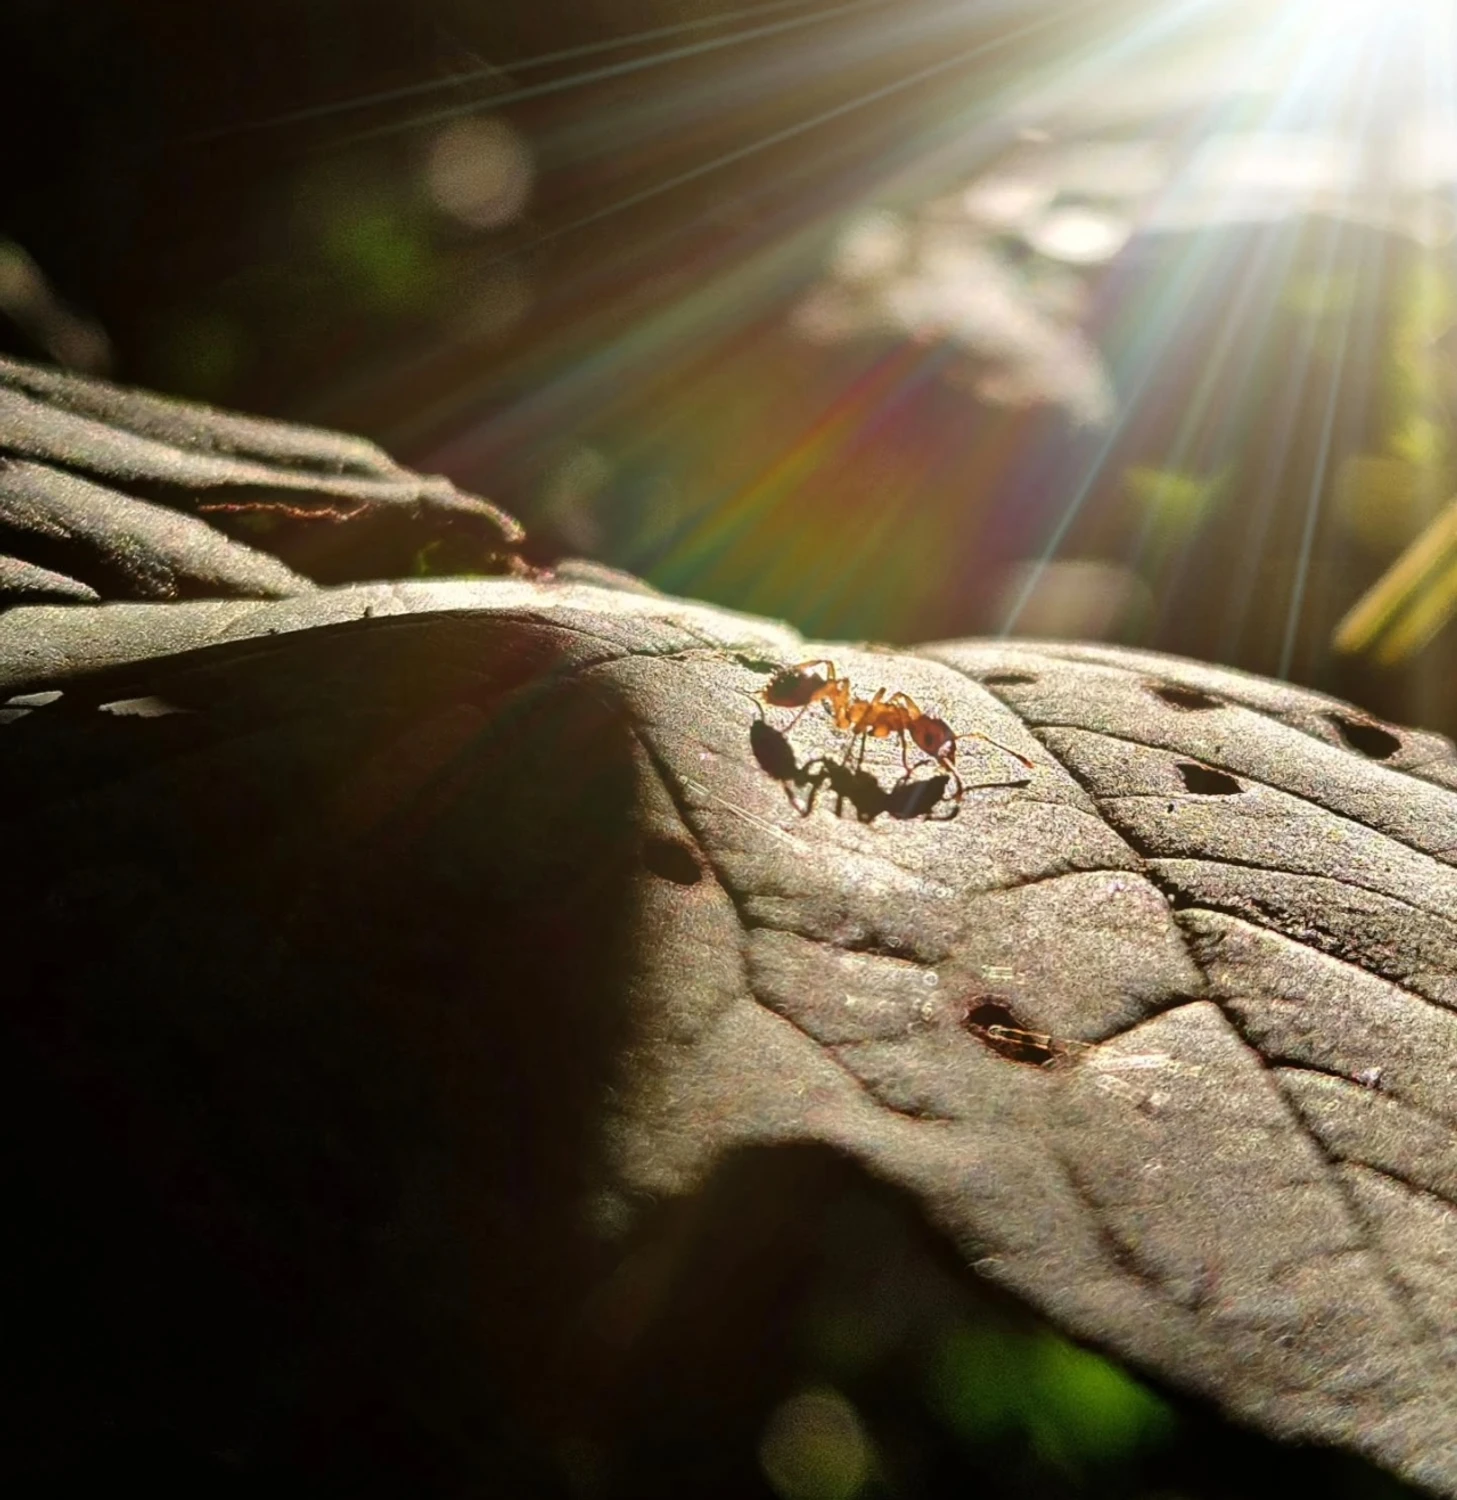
934,738
801,687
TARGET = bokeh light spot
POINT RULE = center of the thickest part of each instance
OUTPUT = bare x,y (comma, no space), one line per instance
490,303
1088,1408
871,248
814,1448
570,499
1171,502
21,282
27,300
1076,597
1005,201
1383,500
384,260
480,172
1080,236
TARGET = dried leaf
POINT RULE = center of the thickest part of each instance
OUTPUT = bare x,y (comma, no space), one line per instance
95,480
501,910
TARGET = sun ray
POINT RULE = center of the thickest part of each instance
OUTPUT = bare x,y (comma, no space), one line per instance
600,75
492,73
1319,474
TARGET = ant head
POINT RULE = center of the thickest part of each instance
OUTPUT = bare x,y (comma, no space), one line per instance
791,688
934,736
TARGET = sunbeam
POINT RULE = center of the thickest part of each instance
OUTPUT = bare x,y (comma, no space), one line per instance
1092,319
721,296
492,73
613,71
800,127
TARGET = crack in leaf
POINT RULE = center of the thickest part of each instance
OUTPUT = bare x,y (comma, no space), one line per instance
1316,939
1146,664
1151,854
1237,771
671,783
1369,1242
1431,1335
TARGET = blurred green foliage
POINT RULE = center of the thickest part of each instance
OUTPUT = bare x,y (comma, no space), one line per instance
382,256
1070,1407
1172,502
204,351
1400,501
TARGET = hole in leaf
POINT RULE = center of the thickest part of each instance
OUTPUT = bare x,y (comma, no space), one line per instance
1204,782
1366,738
671,861
999,1028
1186,698
1009,679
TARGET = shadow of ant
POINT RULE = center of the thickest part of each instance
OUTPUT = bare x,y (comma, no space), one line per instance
852,784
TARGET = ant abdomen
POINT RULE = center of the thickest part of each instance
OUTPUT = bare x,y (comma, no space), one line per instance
934,737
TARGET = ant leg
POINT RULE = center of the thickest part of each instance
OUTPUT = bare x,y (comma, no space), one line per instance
835,695
948,766
757,699
809,802
859,724
912,713
987,786
867,710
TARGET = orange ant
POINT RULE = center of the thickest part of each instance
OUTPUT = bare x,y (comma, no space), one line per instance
933,737
799,687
